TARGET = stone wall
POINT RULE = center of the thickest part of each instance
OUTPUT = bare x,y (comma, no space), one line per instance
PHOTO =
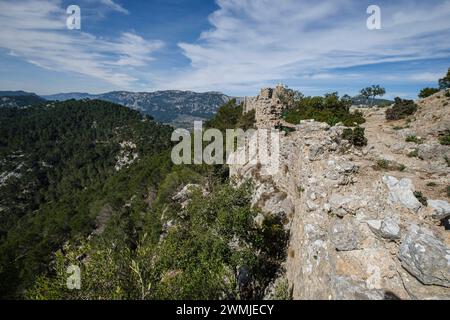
268,106
356,232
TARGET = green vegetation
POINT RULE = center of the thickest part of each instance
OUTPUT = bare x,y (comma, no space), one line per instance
414,139
397,128
63,157
202,256
447,160
444,83
422,199
230,116
282,291
414,153
372,92
331,109
384,164
355,136
431,184
447,191
123,228
401,109
426,92
445,139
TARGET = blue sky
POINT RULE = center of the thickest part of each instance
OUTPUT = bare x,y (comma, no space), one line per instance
232,46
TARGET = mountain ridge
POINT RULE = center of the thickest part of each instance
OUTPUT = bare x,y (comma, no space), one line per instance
165,105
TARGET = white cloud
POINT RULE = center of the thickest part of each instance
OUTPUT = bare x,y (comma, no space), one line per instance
115,6
260,41
36,31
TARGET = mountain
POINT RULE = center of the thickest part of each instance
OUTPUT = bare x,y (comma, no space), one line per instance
171,106
19,99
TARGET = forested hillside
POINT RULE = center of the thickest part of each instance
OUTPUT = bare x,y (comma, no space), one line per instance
53,161
19,99
146,230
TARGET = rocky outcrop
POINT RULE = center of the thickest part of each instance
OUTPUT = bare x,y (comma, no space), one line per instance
426,257
356,232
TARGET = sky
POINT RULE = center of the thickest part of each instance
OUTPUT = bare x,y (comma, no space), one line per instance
232,46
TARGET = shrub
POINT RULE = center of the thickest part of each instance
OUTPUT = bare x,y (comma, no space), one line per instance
447,159
383,164
431,184
355,136
330,109
414,139
426,92
401,109
444,83
447,190
414,154
445,140
422,199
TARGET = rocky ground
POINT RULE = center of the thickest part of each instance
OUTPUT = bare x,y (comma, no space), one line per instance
357,231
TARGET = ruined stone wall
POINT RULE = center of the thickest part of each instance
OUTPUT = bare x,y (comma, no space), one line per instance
268,106
356,232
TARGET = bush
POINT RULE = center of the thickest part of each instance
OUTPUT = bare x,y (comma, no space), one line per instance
199,257
422,199
414,139
330,109
426,92
401,109
444,83
355,136
384,164
445,140
447,159
447,190
414,154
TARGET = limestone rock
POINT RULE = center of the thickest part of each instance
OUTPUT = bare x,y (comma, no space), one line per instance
433,151
315,152
441,209
344,236
342,205
347,289
387,228
426,257
401,192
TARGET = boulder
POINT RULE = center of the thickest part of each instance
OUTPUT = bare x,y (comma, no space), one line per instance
342,205
387,228
346,288
344,236
441,209
315,152
426,257
433,151
401,192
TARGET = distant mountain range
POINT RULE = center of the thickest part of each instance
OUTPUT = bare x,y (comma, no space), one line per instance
179,108
19,99
166,106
